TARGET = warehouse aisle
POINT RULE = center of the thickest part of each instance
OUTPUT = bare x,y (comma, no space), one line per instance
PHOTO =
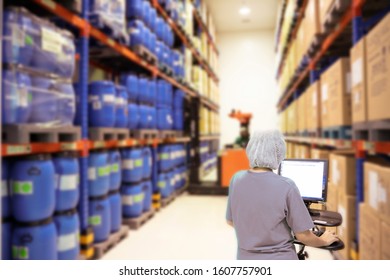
190,228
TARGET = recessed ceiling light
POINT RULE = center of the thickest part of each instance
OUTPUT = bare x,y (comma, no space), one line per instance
244,11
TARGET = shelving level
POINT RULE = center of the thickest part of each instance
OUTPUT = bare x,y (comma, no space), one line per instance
312,36
98,48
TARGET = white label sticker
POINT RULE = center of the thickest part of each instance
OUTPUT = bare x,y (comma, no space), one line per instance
109,98
373,185
92,173
357,72
67,241
51,41
324,92
68,182
23,96
128,164
348,83
4,188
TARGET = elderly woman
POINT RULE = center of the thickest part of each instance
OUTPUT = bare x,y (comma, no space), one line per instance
267,210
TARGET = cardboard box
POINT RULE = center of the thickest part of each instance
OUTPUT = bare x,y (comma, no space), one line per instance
347,231
292,119
377,188
359,81
301,113
378,70
324,6
369,233
336,94
385,241
319,154
313,102
312,24
332,198
342,172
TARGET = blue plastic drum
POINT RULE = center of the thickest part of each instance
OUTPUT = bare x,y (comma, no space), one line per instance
160,28
115,211
153,42
35,242
68,232
114,160
45,100
134,116
159,51
178,99
6,241
144,119
100,218
132,200
131,83
18,37
164,119
164,158
178,119
66,103
163,184
33,187
134,8
16,98
153,20
152,92
67,169
144,95
147,163
101,104
147,190
137,29
152,117
146,12
65,65
132,165
5,193
169,94
121,110
98,174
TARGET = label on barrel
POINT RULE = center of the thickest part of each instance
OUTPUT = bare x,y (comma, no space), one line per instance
132,199
104,171
95,220
139,163
4,188
92,173
51,41
115,168
128,164
22,188
109,98
20,253
68,182
67,241
161,184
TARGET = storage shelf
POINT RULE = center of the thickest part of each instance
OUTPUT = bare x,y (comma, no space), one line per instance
202,61
35,148
204,27
89,30
209,137
280,24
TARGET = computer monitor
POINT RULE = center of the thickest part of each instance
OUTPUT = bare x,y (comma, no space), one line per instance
310,176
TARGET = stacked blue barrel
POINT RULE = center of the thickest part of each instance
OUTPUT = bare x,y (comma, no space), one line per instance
39,61
208,157
164,105
172,170
40,196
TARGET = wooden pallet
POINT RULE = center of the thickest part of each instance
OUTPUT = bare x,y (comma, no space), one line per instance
166,201
164,134
144,134
144,53
31,133
103,247
136,223
107,134
337,132
314,133
166,69
372,131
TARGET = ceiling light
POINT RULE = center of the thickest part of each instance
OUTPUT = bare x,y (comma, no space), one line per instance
245,10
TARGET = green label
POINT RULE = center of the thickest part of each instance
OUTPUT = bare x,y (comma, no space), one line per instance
20,253
115,168
104,171
161,184
28,40
138,163
25,188
139,198
29,97
95,220
165,156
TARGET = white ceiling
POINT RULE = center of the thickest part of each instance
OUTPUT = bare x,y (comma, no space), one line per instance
227,18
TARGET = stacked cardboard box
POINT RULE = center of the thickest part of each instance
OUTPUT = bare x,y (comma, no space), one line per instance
341,196
324,7
336,94
313,103
378,71
319,154
302,113
312,23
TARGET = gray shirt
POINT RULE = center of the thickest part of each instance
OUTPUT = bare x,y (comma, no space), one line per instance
265,209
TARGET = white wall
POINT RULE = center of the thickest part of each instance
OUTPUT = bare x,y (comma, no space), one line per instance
247,74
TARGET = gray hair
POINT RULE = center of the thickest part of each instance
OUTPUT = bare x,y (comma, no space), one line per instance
266,149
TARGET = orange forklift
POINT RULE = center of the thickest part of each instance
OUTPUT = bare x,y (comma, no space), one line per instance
230,160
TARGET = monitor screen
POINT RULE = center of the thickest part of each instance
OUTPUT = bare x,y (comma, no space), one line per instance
310,176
